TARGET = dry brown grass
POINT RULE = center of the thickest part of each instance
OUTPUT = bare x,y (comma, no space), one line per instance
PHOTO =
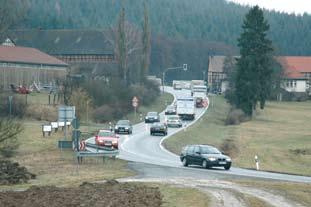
53,167
297,192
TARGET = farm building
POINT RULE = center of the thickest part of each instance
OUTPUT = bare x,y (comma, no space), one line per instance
70,46
297,73
24,66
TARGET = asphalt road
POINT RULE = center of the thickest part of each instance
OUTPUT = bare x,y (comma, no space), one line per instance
140,147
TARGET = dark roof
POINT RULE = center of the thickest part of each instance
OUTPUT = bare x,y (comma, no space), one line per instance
64,42
27,55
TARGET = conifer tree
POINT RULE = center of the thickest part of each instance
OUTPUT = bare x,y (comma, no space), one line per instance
254,67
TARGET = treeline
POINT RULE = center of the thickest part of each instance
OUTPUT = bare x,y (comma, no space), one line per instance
211,20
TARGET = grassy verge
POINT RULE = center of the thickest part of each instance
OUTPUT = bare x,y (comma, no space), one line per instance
53,167
279,135
174,196
297,192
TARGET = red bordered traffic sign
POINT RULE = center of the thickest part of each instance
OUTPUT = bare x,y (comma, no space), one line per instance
135,102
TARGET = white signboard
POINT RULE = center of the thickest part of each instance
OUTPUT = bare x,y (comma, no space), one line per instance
46,128
54,125
61,123
66,113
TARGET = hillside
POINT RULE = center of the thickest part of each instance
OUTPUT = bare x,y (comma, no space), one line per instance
211,20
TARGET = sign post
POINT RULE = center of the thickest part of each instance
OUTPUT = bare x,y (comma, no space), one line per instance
65,115
135,102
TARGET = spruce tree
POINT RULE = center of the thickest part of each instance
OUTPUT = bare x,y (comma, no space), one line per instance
254,67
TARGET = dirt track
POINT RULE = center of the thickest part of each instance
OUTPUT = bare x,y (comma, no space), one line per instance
109,194
224,193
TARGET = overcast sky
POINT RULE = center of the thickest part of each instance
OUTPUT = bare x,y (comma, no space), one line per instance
289,6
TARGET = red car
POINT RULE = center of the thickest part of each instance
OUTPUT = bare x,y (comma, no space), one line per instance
107,138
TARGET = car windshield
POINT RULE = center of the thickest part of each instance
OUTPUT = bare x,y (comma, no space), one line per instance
209,150
105,134
152,114
123,122
173,118
170,108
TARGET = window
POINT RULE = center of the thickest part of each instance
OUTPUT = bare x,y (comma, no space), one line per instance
190,149
196,149
295,84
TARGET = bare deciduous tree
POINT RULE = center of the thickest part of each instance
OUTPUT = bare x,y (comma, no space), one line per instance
126,40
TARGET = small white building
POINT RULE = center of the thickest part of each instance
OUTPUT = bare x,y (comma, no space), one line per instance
297,73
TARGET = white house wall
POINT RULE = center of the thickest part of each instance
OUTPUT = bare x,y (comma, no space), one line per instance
295,85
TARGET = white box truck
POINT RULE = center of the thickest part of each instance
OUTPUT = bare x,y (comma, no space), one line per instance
186,108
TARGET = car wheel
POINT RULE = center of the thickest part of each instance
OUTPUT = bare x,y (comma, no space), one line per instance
185,162
227,167
204,164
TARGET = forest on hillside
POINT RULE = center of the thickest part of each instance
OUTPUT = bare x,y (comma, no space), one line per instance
211,20
182,31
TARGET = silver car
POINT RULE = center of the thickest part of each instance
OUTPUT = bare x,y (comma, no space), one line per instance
173,121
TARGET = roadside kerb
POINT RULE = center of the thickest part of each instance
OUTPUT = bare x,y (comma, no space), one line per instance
190,124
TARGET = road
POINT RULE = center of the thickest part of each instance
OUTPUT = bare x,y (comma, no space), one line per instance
140,147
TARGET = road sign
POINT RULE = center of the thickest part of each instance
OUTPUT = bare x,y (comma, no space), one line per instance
135,102
66,113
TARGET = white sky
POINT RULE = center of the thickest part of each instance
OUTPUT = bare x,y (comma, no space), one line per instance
289,6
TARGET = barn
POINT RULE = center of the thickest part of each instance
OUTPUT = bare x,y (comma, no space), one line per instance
26,66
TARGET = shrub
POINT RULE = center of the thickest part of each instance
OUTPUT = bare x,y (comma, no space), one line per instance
80,99
107,113
229,147
9,129
42,112
235,117
18,107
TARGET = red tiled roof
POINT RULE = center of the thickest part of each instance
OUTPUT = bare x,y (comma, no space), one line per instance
27,55
295,66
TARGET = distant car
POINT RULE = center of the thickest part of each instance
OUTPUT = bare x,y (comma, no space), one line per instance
123,126
204,155
152,117
173,121
108,139
177,87
158,128
170,110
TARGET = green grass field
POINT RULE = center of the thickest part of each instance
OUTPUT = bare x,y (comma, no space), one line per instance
280,135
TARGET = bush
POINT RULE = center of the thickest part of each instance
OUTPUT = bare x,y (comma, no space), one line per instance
9,129
294,96
113,100
18,107
107,113
13,173
235,117
42,112
229,148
